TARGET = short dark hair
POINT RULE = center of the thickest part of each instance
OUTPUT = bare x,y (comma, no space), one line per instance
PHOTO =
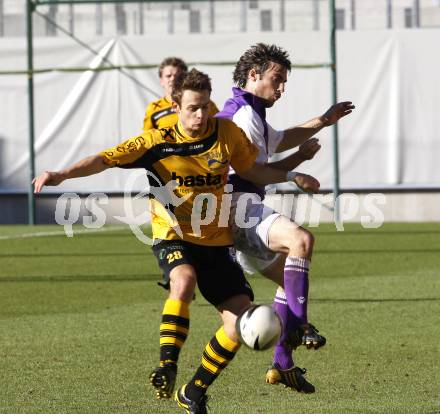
193,80
173,61
259,57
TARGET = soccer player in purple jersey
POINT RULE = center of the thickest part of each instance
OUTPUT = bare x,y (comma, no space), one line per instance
277,247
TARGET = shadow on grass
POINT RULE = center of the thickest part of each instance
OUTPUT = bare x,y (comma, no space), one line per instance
363,232
82,278
370,300
120,234
91,254
366,300
367,251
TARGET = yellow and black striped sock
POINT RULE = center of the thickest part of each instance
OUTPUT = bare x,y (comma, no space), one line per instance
173,330
217,354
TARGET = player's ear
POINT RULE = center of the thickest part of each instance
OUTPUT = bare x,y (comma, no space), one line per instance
176,107
253,76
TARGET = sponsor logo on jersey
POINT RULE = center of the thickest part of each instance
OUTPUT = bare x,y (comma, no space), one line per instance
197,180
168,135
216,164
131,146
216,160
163,113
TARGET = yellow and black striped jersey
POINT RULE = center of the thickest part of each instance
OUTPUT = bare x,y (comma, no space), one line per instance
197,165
160,114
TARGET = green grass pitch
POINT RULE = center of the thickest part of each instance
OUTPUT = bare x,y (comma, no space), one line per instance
79,320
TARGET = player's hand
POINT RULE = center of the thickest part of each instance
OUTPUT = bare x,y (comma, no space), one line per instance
308,149
306,183
47,178
338,111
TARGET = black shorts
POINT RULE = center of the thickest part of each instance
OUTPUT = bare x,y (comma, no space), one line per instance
219,277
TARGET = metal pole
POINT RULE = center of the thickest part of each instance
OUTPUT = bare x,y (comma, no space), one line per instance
171,18
30,68
141,18
52,14
416,13
99,20
243,16
71,19
121,19
2,18
389,14
316,14
211,16
336,188
282,15
353,14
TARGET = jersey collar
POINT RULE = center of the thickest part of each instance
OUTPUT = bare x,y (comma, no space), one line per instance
181,132
258,104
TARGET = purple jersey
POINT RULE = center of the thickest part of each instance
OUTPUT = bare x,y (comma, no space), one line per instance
249,113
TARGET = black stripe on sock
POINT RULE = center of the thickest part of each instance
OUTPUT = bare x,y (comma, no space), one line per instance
169,353
174,334
217,348
176,320
213,361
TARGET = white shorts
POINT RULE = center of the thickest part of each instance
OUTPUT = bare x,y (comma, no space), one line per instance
252,243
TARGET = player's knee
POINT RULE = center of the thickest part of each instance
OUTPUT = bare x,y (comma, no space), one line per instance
230,329
301,243
230,310
308,241
182,285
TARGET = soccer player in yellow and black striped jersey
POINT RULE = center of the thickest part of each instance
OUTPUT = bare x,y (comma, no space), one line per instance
197,165
196,154
160,113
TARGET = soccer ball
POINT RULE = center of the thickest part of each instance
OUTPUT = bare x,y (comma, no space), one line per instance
259,327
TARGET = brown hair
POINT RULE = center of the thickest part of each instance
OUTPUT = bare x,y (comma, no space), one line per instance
173,61
193,80
259,57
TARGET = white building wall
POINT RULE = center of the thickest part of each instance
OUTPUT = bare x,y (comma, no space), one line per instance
300,15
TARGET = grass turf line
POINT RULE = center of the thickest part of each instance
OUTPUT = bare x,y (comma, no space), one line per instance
79,323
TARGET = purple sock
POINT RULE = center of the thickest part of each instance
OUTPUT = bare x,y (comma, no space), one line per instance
296,286
283,354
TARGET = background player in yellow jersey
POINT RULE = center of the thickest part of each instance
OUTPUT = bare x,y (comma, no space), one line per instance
160,113
196,153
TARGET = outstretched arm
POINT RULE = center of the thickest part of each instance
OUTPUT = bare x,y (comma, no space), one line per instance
262,174
87,166
297,135
306,151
